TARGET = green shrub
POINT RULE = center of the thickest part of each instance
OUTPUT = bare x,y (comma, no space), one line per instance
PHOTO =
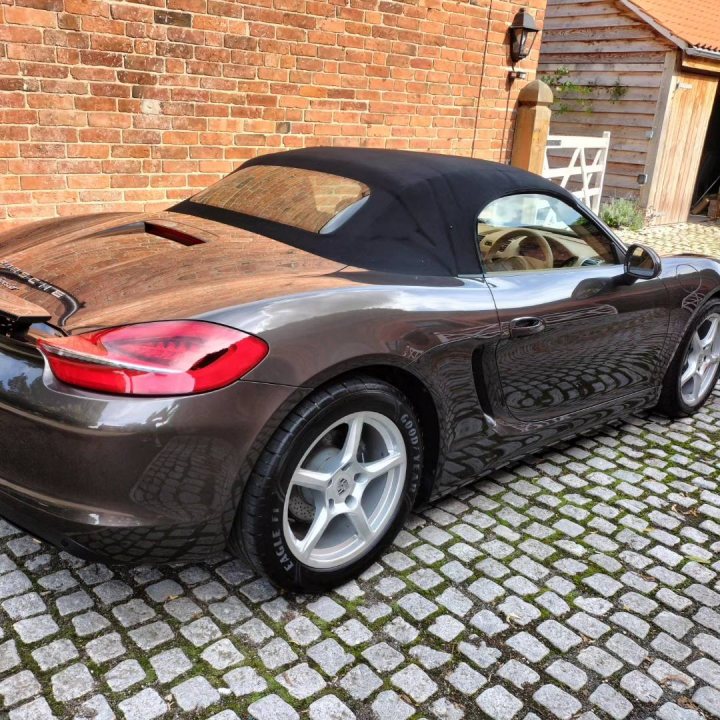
622,213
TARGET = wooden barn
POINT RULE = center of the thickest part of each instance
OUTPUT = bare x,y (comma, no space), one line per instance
647,71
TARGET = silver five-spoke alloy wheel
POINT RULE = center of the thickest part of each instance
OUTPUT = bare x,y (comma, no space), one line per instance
701,361
345,491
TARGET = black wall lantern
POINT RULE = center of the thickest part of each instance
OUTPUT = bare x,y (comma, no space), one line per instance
522,35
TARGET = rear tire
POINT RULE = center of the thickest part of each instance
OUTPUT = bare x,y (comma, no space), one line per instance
695,368
333,486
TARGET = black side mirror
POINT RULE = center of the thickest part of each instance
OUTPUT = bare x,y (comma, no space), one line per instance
642,263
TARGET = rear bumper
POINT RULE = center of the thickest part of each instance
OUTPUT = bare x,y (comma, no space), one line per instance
127,479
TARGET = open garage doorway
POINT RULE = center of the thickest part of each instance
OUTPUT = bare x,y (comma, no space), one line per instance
706,199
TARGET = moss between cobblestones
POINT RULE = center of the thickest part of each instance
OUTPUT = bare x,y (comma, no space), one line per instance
643,429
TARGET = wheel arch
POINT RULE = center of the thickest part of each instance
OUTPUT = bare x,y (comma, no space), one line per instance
670,401
678,336
400,377
422,401
393,373
712,296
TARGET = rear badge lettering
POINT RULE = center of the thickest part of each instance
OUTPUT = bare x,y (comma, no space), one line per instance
69,302
8,285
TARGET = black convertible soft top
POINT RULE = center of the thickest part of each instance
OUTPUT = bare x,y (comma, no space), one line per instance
420,217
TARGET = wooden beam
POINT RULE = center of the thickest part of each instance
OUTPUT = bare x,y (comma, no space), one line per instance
701,64
661,116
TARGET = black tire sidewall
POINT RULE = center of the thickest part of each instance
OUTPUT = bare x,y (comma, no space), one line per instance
276,558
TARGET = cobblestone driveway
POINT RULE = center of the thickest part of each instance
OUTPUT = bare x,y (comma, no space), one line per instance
583,583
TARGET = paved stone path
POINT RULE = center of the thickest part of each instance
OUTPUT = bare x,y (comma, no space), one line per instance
703,238
580,584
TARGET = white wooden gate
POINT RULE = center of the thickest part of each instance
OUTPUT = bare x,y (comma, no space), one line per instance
578,163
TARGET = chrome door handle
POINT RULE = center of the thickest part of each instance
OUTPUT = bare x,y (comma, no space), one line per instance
524,326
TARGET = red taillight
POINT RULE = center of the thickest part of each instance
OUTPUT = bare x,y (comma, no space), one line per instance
175,357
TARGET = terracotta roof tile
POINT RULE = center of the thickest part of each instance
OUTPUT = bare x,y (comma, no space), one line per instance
696,22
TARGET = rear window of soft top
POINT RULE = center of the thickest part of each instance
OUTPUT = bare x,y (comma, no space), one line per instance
307,199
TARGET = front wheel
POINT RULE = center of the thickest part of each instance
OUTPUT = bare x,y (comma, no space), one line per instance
333,486
695,368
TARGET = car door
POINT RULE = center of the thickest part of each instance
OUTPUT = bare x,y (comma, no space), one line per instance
576,332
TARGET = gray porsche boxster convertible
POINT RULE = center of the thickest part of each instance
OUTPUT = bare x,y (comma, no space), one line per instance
286,363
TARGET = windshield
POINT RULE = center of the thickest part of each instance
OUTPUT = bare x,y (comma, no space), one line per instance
315,201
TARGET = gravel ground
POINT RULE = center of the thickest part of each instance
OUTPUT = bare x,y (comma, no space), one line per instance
582,583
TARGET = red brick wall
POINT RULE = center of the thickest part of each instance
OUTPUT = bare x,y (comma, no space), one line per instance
110,104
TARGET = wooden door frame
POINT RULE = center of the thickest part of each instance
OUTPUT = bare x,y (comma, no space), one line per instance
662,114
661,149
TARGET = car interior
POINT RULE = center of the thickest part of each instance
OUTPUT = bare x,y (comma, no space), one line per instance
539,232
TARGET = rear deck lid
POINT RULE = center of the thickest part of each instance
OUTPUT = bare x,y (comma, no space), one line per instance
140,268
